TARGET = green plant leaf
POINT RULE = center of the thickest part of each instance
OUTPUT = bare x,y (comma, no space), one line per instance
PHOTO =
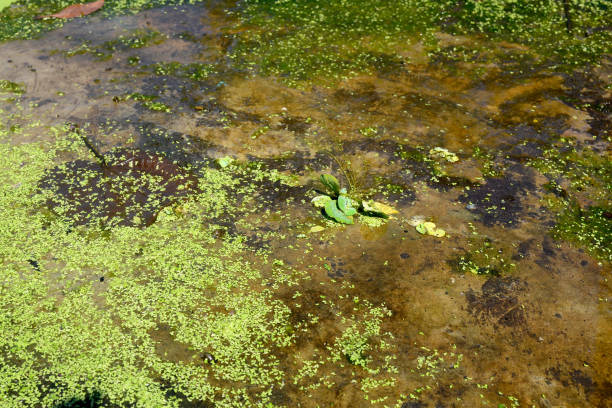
332,211
331,183
346,205
5,3
320,201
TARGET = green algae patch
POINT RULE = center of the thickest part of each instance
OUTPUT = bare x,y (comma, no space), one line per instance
158,315
580,184
212,300
304,40
317,40
590,228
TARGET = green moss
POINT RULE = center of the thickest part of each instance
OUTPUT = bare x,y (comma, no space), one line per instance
122,315
72,336
135,39
135,96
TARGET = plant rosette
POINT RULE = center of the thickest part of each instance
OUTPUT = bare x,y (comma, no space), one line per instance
341,208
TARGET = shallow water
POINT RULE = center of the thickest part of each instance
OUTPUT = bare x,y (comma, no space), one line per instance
531,323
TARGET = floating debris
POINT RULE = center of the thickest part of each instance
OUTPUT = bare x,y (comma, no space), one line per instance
429,228
442,153
379,209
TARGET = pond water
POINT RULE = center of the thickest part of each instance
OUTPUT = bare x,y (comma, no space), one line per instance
161,248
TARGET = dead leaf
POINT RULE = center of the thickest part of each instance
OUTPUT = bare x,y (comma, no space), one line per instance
77,10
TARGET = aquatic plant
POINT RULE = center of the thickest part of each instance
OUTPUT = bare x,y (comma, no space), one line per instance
338,206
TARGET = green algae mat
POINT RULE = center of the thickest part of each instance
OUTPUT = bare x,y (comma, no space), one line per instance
306,204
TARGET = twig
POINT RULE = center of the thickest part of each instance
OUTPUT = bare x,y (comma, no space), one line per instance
90,146
568,18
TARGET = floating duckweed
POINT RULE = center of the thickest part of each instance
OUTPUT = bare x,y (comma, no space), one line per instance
590,228
303,40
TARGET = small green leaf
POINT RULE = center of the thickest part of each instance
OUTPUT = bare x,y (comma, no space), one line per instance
345,204
225,161
331,183
332,211
421,228
320,201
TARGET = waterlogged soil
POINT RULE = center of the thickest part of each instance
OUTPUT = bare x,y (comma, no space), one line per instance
219,292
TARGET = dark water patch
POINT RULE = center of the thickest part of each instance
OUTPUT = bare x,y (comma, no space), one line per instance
388,190
580,378
34,263
336,268
355,100
295,124
499,199
413,404
588,93
216,115
385,147
275,192
178,147
598,393
498,302
298,162
524,249
92,399
129,189
525,142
